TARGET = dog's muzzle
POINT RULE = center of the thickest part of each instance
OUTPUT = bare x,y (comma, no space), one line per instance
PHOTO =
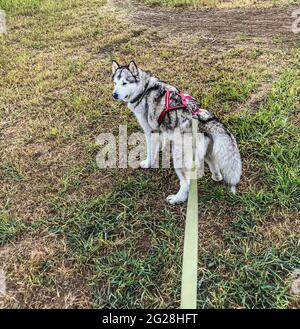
115,96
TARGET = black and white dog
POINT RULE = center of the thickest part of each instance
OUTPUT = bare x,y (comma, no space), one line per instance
145,96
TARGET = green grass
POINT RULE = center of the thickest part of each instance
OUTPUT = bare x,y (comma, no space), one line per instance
271,131
253,276
253,272
242,271
10,171
116,238
10,228
84,237
33,7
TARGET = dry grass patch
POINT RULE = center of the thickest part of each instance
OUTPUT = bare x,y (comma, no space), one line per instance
38,275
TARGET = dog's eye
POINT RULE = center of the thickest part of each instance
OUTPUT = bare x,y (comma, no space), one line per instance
124,83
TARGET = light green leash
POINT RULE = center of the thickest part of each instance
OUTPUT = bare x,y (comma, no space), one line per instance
190,248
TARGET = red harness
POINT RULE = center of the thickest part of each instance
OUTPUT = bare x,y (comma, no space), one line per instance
183,104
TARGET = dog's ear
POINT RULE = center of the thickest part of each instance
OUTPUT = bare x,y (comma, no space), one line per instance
133,68
115,66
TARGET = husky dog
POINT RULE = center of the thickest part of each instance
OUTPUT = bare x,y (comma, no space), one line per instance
145,97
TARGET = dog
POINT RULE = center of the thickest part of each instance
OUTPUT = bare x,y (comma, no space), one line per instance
145,96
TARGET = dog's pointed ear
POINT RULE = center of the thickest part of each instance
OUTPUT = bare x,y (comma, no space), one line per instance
133,68
115,66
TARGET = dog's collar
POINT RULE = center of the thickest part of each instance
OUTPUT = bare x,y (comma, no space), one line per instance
140,96
183,105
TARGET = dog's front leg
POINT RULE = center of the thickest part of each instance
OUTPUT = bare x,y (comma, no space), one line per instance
147,162
184,180
153,147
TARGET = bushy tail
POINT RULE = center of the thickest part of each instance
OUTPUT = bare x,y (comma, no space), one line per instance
226,153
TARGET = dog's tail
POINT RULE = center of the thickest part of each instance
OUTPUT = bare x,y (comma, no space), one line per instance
226,153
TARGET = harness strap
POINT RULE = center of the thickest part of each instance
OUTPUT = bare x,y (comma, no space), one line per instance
168,108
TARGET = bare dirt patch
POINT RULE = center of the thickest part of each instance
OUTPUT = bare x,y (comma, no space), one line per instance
221,25
38,275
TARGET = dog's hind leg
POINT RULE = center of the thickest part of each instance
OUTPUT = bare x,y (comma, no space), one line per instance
226,154
214,169
184,179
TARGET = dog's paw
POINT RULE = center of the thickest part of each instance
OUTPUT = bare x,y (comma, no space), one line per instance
176,198
217,177
145,164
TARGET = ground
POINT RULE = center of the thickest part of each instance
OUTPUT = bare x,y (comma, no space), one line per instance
75,236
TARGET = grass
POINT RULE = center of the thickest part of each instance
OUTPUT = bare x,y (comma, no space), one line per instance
254,270
32,7
113,229
77,236
10,228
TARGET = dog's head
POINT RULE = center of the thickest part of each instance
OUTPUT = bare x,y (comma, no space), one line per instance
126,79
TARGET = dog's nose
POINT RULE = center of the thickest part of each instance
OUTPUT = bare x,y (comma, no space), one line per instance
115,96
